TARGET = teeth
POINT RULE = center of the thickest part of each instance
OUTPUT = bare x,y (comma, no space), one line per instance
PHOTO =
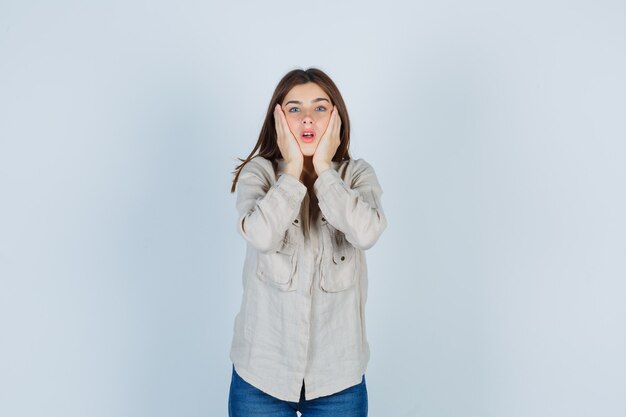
308,134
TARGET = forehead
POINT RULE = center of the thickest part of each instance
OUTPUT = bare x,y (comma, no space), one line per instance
306,93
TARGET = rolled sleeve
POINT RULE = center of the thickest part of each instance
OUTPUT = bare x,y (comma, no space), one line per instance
266,210
292,189
356,211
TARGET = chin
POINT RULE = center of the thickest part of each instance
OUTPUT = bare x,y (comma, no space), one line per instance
308,149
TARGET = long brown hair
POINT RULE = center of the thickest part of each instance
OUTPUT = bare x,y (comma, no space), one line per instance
267,144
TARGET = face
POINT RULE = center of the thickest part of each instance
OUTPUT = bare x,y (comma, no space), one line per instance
307,109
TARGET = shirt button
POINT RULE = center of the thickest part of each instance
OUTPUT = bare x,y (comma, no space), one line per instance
296,221
343,258
323,219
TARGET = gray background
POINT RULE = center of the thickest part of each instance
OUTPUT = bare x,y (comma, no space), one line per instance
497,132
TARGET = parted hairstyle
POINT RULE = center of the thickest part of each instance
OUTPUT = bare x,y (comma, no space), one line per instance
267,144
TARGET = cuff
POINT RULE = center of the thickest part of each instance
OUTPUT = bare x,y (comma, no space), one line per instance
291,188
327,179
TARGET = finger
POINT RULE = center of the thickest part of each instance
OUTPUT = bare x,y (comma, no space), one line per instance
276,116
276,122
283,120
331,122
281,126
280,118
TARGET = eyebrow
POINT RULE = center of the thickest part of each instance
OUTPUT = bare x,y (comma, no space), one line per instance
312,101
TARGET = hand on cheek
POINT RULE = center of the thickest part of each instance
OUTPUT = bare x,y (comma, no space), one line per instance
328,144
288,145
286,141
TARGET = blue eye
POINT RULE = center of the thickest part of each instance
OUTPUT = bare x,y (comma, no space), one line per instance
295,109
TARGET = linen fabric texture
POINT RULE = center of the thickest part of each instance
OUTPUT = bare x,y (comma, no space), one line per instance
302,314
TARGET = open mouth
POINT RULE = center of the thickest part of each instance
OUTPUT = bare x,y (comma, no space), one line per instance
308,136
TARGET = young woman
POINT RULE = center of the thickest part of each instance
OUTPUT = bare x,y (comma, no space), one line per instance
307,212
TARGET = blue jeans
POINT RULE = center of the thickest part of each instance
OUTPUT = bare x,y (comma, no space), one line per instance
245,400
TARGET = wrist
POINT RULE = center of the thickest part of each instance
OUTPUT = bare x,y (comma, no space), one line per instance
319,168
294,169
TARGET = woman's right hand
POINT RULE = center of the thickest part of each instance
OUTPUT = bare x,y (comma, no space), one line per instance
287,143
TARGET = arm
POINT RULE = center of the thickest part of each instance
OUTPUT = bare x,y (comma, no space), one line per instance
356,211
265,212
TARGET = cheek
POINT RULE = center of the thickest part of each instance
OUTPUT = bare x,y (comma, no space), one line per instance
292,123
323,121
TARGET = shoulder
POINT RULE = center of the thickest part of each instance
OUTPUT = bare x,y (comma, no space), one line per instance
355,167
257,162
257,172
258,166
358,173
361,165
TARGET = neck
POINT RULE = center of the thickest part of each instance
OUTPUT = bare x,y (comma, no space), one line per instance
308,165
308,170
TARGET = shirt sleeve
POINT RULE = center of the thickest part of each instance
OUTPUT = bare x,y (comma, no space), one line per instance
353,209
265,212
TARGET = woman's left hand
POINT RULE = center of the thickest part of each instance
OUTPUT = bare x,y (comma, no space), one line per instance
328,144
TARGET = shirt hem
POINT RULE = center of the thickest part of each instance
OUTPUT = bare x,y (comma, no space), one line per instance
334,389
251,379
308,395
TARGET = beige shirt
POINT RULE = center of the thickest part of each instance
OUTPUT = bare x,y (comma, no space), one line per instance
302,316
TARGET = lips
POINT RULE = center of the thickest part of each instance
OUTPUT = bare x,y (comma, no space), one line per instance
307,135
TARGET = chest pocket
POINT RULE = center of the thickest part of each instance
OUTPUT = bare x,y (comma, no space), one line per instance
341,271
279,268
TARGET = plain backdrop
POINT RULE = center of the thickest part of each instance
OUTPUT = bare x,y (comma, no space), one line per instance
496,130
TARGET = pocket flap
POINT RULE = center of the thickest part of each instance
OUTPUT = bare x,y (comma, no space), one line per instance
342,256
279,268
